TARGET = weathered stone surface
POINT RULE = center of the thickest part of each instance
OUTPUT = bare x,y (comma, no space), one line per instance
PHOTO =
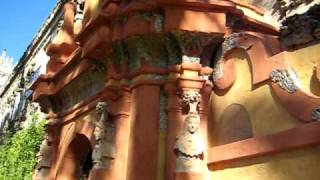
301,29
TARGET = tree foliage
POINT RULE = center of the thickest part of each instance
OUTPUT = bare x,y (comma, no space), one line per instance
18,153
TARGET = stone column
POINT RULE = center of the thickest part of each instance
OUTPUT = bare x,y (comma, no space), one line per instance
143,149
121,116
190,145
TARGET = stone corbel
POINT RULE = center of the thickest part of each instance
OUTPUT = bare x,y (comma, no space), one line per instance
104,150
63,44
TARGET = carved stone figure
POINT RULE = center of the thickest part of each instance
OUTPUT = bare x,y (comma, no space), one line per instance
104,150
189,146
44,159
44,155
79,10
285,79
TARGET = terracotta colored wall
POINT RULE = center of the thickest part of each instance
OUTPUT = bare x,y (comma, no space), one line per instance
65,159
268,116
143,149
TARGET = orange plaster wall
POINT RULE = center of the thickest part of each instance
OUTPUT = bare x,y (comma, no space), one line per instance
266,113
268,116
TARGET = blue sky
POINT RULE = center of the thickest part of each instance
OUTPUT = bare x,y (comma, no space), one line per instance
19,22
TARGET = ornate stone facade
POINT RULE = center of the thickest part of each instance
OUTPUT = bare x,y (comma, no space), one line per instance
139,49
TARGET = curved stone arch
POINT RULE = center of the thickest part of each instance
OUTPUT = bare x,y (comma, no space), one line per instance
234,125
259,52
86,129
74,155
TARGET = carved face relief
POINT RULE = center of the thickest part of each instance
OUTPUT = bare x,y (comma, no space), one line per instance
192,123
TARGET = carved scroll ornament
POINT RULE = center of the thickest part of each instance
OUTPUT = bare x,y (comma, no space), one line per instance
230,43
285,79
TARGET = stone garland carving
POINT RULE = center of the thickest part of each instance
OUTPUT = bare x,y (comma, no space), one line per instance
230,43
189,146
285,79
104,150
44,158
301,29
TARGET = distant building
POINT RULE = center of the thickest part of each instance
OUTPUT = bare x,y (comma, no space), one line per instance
15,96
6,66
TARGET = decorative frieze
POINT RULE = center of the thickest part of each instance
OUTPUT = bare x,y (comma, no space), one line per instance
192,44
146,51
81,88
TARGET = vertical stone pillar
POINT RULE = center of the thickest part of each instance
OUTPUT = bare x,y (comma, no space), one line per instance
175,123
143,149
190,146
120,111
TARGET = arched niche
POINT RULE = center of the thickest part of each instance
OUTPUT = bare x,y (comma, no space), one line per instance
233,125
77,161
